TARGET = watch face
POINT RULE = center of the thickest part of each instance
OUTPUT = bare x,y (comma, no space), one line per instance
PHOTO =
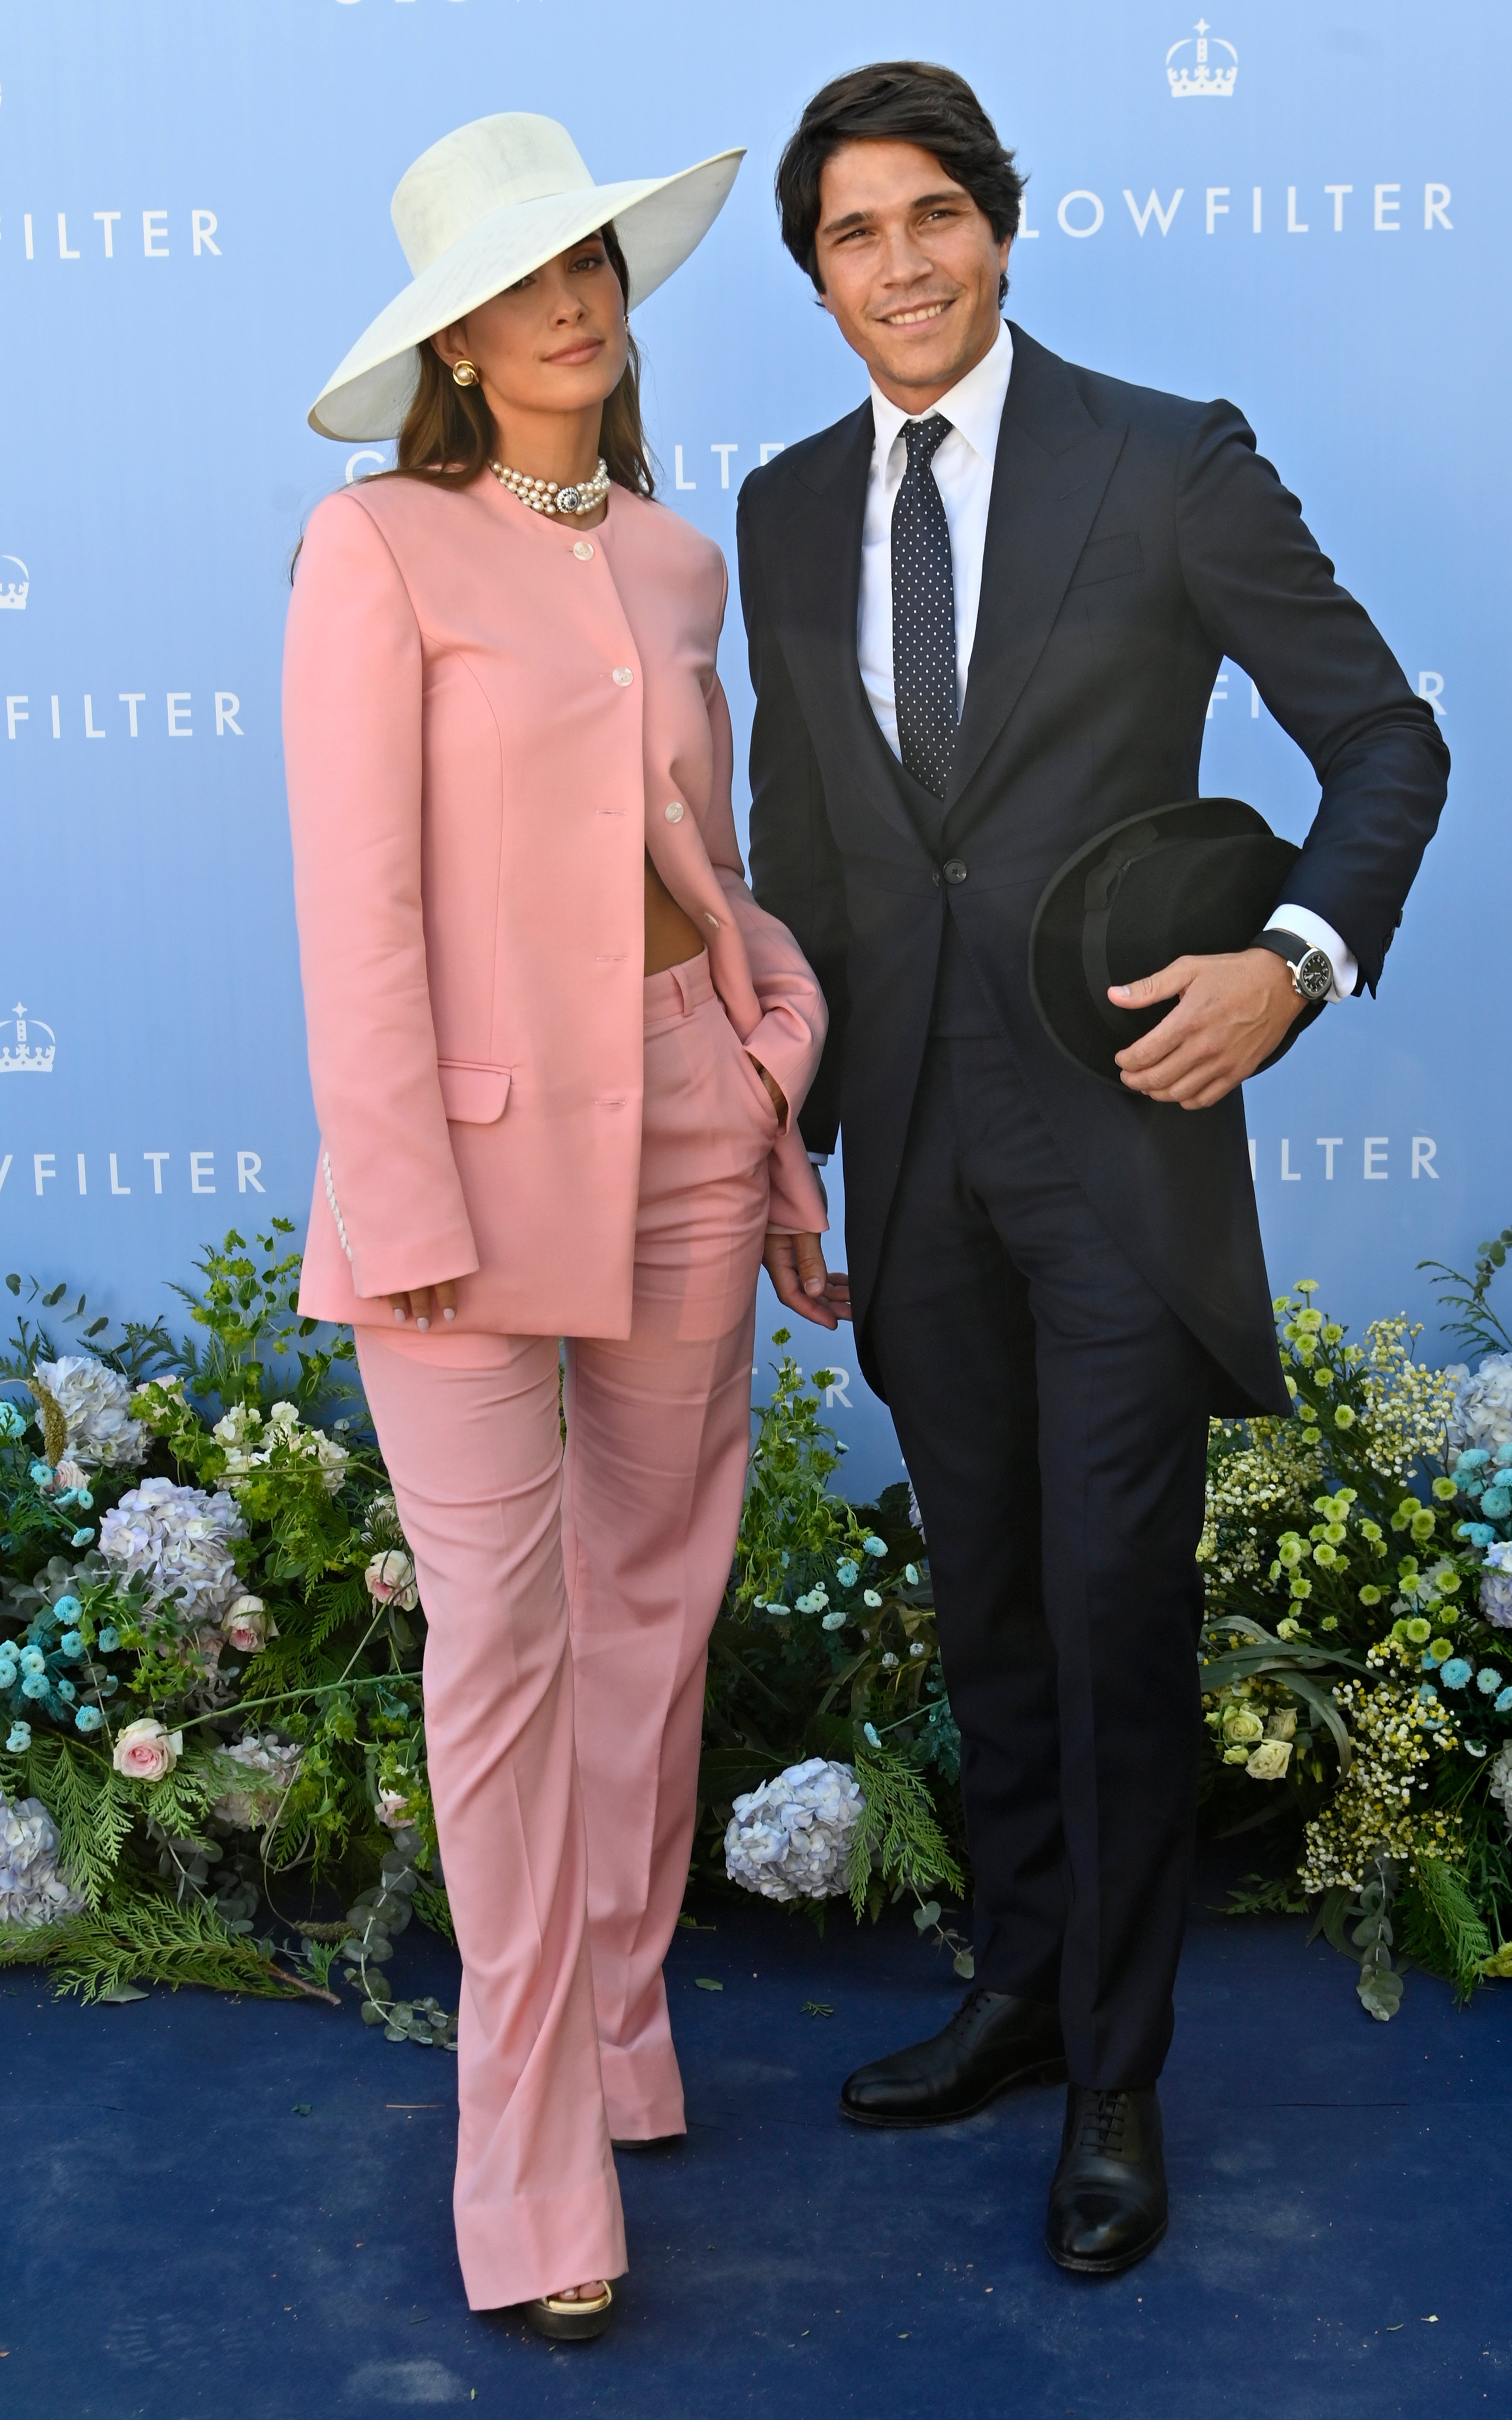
1314,975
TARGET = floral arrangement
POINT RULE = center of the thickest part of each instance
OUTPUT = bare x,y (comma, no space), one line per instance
210,1660
210,1638
1356,1656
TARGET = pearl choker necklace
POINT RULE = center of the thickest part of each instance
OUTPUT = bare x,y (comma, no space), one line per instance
544,496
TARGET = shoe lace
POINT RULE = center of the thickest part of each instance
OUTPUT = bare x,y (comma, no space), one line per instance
1104,2119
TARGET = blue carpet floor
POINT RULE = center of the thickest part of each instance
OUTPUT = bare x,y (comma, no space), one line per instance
180,2239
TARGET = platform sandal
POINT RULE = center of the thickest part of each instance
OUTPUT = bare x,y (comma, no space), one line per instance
569,2322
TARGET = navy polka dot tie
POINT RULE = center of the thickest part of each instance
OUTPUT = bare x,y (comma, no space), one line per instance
923,613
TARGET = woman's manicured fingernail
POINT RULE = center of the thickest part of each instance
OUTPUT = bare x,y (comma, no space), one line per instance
421,1322
398,1315
448,1313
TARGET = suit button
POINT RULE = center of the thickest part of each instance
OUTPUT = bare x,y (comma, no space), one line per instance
622,676
953,870
583,552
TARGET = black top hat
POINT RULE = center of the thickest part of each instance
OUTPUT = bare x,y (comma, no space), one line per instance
1199,876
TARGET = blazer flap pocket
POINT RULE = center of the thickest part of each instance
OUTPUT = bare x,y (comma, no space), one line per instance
1108,558
472,1095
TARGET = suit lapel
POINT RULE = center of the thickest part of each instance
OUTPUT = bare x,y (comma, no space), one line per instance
1054,462
815,567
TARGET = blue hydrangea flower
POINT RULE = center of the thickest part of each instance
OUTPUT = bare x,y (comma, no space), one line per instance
1504,1703
1488,1678
1456,1673
68,1609
911,1574
88,1719
876,1548
1479,1533
41,1474
81,1537
1472,1460
83,1497
871,1734
35,1685
847,1573
66,1690
1504,1452
110,1639
71,1643
870,1596
833,1621
13,1420
19,1739
32,1659
1497,1501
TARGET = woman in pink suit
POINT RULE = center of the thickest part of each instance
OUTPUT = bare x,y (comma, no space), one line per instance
556,1051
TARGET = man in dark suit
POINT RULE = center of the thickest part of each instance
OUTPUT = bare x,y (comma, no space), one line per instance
986,612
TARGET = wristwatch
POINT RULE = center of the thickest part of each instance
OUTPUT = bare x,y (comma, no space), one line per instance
1311,970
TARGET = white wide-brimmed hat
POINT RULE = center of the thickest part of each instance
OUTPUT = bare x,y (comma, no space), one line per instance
483,208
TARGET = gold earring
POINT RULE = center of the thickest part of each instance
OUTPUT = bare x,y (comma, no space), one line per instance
465,373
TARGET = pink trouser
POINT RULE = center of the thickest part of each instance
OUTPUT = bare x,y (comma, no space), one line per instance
568,1601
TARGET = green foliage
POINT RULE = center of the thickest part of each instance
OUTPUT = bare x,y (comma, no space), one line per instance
93,1808
248,1303
148,1938
1480,1329
1262,1895
898,1839
1443,1929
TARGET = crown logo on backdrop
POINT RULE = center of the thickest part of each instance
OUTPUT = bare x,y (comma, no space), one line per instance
1202,77
11,595
24,1057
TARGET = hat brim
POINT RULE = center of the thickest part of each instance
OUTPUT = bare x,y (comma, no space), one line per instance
1090,1031
660,221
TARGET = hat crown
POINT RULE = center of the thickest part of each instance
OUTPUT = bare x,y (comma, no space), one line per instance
495,164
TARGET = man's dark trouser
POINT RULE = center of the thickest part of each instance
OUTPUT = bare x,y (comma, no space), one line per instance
1053,1414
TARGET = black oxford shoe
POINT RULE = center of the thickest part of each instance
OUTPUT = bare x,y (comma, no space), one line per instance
1107,2204
991,2042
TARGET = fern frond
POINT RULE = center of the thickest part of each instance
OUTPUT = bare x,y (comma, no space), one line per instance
900,1822
145,1938
1458,1923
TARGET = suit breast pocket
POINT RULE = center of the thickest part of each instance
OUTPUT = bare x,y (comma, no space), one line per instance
1108,558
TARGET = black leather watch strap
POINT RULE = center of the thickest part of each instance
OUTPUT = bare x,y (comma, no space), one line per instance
1289,946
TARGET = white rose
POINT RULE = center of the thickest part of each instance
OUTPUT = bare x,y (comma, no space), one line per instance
144,1751
249,1626
390,1580
1269,1761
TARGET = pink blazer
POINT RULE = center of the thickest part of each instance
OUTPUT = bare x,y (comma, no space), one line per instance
488,718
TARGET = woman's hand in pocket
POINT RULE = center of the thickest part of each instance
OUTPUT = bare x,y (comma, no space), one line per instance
423,1304
775,1092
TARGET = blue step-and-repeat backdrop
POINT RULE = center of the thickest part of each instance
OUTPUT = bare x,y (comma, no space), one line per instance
1298,205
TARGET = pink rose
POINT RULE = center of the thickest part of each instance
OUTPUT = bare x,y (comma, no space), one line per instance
144,1751
390,1580
248,1626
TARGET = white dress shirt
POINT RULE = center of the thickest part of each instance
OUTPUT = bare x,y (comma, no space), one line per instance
964,474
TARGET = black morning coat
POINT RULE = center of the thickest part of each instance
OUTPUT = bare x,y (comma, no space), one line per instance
1135,539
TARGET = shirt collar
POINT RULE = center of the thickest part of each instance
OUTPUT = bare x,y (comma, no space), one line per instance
974,405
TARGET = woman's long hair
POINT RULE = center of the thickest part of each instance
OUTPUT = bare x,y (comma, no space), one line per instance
449,436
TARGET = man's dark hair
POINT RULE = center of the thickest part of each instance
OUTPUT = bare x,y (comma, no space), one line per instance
900,101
